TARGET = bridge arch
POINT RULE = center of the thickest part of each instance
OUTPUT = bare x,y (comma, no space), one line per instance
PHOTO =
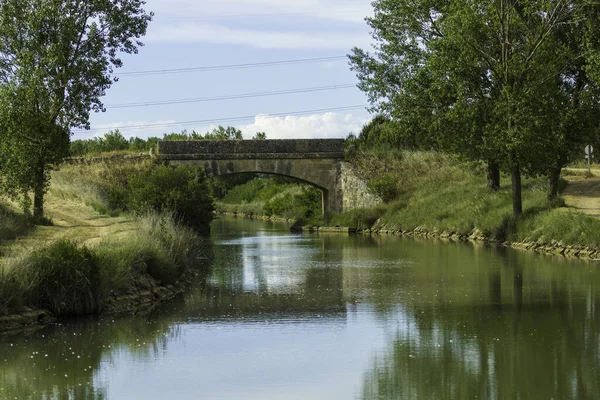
316,162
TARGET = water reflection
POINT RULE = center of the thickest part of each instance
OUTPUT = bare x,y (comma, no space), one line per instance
282,316
533,336
63,361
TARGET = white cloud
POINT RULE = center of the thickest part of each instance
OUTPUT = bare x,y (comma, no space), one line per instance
273,24
317,126
207,33
335,10
328,125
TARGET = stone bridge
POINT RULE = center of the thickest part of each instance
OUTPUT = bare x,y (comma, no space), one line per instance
318,162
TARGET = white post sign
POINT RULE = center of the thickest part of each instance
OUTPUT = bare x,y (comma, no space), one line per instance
589,154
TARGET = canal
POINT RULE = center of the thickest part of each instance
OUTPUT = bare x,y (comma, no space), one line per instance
290,316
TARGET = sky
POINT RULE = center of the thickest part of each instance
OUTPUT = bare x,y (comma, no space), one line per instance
324,103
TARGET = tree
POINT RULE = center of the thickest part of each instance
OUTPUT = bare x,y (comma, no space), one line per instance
222,133
482,76
57,59
260,136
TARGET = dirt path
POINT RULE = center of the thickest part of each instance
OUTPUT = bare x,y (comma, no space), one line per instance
71,220
583,193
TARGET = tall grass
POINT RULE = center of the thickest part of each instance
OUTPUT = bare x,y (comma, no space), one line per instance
68,279
12,224
100,186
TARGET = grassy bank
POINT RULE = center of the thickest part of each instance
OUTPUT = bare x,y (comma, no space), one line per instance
116,229
71,279
12,223
430,191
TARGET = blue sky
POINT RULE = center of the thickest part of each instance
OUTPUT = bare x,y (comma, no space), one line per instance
191,33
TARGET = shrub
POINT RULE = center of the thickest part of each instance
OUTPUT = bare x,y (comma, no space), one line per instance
184,191
384,186
72,280
62,277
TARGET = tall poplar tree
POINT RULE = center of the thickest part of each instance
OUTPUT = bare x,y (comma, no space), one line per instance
488,77
57,59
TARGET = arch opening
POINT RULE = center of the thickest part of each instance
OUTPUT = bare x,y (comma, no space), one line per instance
230,180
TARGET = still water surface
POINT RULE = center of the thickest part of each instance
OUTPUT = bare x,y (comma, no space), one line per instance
282,316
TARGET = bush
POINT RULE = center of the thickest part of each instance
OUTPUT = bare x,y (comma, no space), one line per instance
300,206
138,188
384,186
73,280
184,191
62,278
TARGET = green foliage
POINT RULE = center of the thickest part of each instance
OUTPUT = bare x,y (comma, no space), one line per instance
12,225
441,75
274,196
57,61
62,278
384,186
259,189
384,133
138,188
300,206
222,133
68,279
113,141
442,193
184,190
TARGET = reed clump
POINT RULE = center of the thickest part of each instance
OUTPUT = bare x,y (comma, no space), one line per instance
71,279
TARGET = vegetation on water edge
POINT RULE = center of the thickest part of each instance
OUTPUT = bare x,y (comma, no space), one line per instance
438,192
169,206
273,197
138,188
69,279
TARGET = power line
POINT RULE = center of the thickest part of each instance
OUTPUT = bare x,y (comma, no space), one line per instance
231,66
253,15
232,97
219,120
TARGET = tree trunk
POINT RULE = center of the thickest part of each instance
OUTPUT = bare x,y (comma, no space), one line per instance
493,176
553,178
38,195
516,191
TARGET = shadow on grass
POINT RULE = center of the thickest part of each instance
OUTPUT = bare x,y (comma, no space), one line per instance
12,224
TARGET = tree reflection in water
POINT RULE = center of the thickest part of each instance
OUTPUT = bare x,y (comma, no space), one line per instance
537,337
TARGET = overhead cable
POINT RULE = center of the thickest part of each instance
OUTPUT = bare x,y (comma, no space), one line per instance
220,120
231,97
231,66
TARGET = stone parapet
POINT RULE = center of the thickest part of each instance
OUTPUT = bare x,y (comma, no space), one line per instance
328,148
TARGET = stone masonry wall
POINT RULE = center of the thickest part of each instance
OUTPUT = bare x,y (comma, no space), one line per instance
355,191
326,147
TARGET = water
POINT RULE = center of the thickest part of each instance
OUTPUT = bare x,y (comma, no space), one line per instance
282,316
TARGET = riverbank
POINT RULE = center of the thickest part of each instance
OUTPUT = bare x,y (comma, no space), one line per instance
121,273
436,195
94,258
